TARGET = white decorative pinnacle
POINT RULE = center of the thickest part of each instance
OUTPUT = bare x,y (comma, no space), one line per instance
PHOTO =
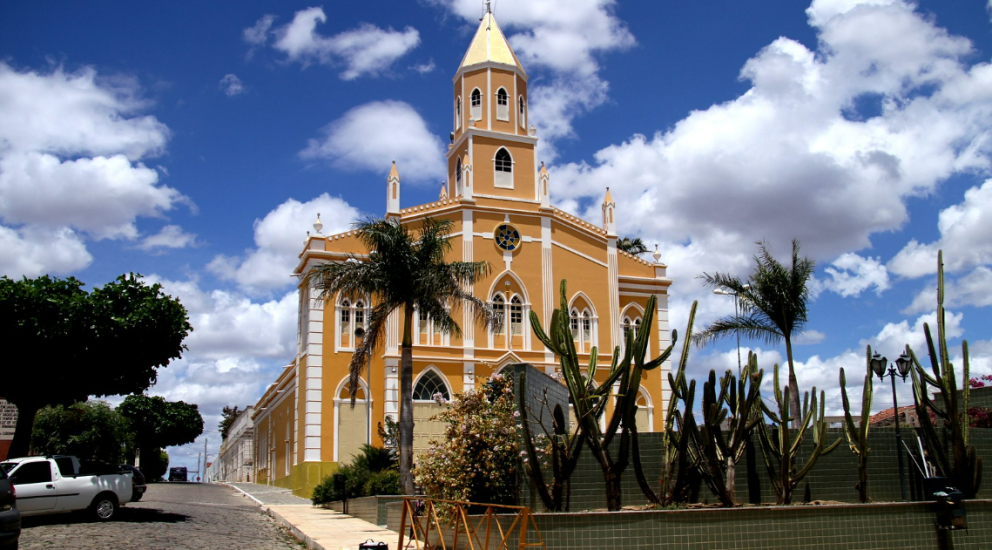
656,255
318,225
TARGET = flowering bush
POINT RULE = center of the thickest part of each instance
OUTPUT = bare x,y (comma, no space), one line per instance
477,459
980,382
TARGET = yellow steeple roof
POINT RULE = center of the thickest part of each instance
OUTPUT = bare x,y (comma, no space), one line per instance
489,45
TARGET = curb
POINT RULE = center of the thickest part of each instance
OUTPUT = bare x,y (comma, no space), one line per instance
300,535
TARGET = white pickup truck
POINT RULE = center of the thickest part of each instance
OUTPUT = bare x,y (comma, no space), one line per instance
58,484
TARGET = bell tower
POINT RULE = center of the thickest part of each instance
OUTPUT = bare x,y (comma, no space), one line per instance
490,112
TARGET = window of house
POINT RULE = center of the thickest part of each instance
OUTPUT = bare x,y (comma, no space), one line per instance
423,321
359,315
499,307
574,324
458,113
502,105
521,117
345,324
503,164
429,385
516,316
586,327
476,104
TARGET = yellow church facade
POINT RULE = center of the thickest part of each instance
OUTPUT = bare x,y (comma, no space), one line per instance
498,198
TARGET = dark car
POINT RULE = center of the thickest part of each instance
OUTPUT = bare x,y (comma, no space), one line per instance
137,482
10,518
177,473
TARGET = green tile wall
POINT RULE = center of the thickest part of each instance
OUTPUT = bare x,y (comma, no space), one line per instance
908,526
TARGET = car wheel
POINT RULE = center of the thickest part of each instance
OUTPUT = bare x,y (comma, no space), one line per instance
104,507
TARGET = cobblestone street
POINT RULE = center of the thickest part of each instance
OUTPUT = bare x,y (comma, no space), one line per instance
169,516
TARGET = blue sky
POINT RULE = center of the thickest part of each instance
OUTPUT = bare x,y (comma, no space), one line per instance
195,142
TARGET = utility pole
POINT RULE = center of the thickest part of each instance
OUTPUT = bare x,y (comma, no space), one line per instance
204,476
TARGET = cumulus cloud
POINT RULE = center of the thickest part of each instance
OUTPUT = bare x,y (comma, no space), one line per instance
566,45
969,290
171,236
964,230
797,155
369,133
851,274
32,251
71,146
365,51
231,85
279,240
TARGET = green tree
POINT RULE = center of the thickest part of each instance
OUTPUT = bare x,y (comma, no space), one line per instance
90,430
631,246
228,416
106,342
772,305
158,423
404,271
154,464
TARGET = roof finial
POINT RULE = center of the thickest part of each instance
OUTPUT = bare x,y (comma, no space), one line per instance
489,7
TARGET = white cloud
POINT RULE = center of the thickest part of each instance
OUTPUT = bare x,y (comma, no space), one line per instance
809,337
970,290
258,34
851,274
964,230
369,133
425,68
566,44
32,251
799,155
231,85
279,240
364,51
71,146
171,236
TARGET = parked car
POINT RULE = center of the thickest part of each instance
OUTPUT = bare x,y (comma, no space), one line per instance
60,483
177,473
10,518
137,482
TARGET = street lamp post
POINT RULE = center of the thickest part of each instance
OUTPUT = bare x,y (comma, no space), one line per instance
723,292
901,369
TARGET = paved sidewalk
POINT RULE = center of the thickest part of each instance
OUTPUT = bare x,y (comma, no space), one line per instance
318,528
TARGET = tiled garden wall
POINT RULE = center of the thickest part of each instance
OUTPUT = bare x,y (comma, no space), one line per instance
370,509
906,526
832,478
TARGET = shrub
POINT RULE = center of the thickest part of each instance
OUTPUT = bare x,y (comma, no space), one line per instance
367,475
477,459
386,482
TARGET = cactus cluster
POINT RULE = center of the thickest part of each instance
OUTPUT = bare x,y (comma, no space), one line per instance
963,468
589,400
781,445
729,417
856,433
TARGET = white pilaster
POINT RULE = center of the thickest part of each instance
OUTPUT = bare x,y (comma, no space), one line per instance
314,378
548,289
613,273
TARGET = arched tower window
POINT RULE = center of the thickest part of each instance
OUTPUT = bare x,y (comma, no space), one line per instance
458,112
476,104
430,385
521,116
458,177
503,164
345,323
502,105
350,316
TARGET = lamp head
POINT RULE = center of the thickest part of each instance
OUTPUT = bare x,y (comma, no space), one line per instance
359,332
878,365
903,364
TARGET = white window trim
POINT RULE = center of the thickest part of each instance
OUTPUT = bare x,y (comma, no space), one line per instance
476,111
444,380
522,108
503,111
458,113
499,177
340,343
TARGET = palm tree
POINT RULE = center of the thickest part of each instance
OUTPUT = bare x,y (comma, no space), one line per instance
404,271
772,306
633,246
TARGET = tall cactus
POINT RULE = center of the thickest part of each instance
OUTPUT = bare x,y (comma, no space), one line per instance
565,450
965,471
738,405
857,434
781,445
589,400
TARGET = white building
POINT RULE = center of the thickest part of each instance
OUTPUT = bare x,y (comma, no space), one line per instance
236,458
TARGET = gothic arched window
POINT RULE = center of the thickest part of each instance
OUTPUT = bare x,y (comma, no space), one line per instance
458,112
516,316
429,386
503,164
502,105
476,104
521,117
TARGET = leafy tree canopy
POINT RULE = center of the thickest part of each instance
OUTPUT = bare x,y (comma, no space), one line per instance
156,422
90,430
106,342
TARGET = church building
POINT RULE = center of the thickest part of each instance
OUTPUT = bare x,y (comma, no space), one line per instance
498,196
